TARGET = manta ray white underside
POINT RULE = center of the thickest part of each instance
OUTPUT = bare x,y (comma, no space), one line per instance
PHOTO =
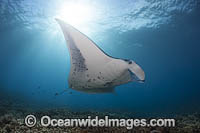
92,70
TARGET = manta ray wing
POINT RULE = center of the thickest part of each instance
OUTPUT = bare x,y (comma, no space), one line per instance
85,55
80,45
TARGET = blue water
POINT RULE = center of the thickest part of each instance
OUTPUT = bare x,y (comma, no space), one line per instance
161,36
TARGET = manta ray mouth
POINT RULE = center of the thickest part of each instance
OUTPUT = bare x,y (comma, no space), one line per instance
141,81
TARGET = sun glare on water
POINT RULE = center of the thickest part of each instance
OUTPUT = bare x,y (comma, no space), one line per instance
75,14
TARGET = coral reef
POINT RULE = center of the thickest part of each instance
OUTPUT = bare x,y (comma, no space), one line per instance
13,122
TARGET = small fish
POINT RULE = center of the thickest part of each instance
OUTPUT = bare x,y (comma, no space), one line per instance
56,94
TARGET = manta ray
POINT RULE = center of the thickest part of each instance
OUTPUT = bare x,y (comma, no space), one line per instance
92,70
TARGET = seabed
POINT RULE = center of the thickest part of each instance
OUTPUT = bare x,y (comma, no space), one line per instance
12,121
